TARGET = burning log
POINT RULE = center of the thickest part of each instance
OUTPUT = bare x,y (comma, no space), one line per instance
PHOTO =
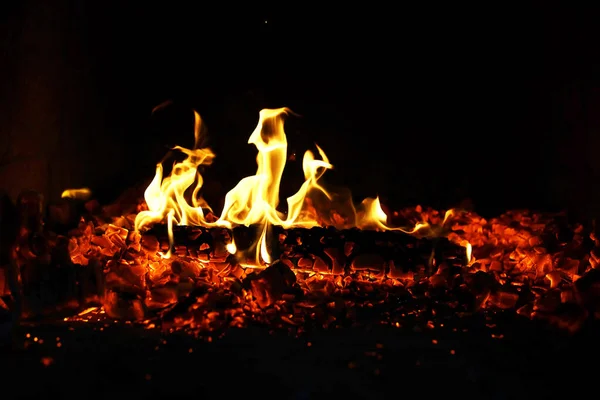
255,263
532,267
139,279
329,251
200,256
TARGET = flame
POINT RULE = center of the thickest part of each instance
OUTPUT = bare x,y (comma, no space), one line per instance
170,217
255,199
374,216
469,251
79,194
231,247
166,196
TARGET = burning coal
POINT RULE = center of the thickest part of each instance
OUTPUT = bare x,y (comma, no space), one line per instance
169,260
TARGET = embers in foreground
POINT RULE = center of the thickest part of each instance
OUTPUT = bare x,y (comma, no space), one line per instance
538,265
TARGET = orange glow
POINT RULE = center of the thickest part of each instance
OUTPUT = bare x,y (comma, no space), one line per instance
255,199
506,262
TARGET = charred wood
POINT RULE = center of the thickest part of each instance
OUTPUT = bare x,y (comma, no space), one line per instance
271,284
325,250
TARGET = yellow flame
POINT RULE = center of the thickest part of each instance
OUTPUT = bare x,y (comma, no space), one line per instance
79,194
171,236
167,196
255,199
449,214
264,252
374,216
468,250
231,247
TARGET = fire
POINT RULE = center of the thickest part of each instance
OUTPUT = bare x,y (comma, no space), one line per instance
231,247
167,196
80,194
469,250
374,216
213,277
255,199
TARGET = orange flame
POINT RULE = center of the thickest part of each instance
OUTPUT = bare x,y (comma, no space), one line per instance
255,199
164,196
79,194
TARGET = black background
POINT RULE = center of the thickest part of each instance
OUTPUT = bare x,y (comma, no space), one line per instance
421,104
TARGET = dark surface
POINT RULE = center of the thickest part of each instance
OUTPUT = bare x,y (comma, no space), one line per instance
529,361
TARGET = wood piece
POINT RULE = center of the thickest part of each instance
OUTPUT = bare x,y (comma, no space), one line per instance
271,284
325,250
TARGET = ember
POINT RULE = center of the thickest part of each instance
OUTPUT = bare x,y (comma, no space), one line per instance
168,261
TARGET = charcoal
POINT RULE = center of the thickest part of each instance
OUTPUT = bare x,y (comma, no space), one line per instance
548,302
481,284
271,284
438,281
588,287
521,263
150,244
305,263
337,259
399,272
320,265
181,307
109,270
191,236
124,305
125,277
372,262
504,299
162,296
185,269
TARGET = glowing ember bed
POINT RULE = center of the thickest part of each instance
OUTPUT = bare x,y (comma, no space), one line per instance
326,281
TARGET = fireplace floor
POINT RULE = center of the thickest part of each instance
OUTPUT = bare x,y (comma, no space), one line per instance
466,357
